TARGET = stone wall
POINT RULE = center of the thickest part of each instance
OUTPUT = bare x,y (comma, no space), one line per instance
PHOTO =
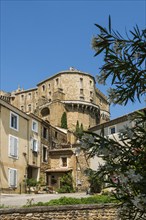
73,212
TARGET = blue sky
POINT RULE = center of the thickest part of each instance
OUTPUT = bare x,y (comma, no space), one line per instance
41,38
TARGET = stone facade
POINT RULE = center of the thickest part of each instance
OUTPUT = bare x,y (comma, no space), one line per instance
18,158
71,91
74,212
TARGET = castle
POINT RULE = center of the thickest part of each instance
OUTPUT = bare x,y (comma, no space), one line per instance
49,149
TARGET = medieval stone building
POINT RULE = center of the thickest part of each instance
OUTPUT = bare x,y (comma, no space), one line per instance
71,92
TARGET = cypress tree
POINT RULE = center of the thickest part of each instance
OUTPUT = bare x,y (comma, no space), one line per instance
64,120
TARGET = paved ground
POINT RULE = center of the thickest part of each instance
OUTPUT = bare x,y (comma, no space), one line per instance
17,200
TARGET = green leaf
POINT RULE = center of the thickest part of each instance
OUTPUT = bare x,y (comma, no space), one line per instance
109,24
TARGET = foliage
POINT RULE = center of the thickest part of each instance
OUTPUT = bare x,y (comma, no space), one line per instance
79,130
95,182
124,155
32,182
66,183
97,199
64,120
123,62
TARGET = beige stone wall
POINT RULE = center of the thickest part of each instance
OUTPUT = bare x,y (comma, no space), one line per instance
34,159
56,160
78,212
7,161
24,99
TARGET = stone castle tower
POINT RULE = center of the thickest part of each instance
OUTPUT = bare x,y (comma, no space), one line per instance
70,91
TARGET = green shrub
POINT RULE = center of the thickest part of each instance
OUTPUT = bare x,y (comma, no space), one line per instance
32,182
96,199
66,184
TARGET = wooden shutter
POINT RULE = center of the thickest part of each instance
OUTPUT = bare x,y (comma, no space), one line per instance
12,177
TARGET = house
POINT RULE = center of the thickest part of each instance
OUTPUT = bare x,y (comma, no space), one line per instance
112,129
19,148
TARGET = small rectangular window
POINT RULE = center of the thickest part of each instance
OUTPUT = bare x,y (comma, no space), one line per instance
29,107
91,94
81,91
35,126
22,108
81,82
12,178
43,88
13,146
45,154
29,95
64,161
112,130
34,145
56,134
57,81
14,121
45,133
22,97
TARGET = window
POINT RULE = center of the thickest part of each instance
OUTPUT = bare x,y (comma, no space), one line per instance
12,178
64,161
14,121
56,134
91,94
36,94
81,82
57,81
22,97
43,88
49,85
90,83
49,93
34,145
35,126
29,95
53,180
13,146
112,130
45,133
44,154
29,107
22,108
81,91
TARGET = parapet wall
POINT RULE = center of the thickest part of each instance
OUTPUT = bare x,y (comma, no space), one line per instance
68,212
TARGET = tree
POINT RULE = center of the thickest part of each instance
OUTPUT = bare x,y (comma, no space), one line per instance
66,183
64,120
125,159
79,130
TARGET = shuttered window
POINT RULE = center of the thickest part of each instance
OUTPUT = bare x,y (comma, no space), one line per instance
14,120
34,145
13,146
12,178
35,126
